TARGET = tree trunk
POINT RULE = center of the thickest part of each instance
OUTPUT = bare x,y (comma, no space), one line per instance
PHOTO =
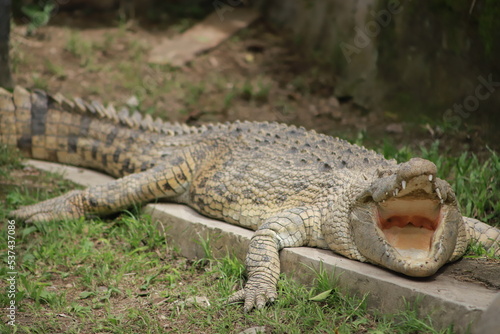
5,77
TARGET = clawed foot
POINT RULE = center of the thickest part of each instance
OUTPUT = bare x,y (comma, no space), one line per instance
258,291
59,208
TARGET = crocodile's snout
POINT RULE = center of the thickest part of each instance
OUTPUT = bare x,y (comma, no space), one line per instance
416,177
416,167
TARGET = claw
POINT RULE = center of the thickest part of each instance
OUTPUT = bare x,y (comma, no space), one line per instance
403,184
254,296
236,297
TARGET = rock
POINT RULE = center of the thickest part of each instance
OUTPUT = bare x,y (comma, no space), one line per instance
254,330
394,128
191,301
333,102
204,36
133,101
201,301
336,115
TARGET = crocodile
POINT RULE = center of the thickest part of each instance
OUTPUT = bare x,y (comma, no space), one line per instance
292,186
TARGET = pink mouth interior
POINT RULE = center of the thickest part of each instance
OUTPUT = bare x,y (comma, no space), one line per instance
409,225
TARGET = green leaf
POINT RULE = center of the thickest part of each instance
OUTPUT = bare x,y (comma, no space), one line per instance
27,231
322,296
86,294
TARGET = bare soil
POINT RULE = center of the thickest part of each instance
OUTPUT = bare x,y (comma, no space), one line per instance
480,271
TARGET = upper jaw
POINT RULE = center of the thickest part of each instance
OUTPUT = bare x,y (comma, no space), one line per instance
416,177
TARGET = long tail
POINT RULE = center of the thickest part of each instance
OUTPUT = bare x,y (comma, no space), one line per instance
83,134
487,235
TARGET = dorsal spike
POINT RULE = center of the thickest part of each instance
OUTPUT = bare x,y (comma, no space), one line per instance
147,123
136,119
124,117
67,104
58,98
79,105
158,123
89,107
99,108
113,115
167,129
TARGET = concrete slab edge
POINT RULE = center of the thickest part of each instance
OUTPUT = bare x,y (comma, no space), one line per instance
81,176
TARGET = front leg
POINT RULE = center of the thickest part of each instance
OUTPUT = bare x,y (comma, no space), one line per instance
287,229
157,182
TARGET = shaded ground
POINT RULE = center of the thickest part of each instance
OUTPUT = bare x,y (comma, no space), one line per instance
479,271
256,75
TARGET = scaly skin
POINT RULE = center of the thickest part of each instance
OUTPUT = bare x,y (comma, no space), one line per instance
293,187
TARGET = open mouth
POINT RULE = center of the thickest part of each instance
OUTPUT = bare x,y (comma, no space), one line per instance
408,221
409,225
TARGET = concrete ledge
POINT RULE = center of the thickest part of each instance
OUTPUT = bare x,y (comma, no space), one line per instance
81,176
445,299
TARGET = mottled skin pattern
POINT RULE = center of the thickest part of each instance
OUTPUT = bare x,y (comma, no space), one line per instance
293,187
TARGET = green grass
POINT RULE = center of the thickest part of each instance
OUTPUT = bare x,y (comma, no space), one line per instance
10,158
82,49
55,69
39,81
38,15
258,91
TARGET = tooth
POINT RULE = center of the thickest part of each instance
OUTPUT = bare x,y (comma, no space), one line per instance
396,191
438,192
430,177
403,184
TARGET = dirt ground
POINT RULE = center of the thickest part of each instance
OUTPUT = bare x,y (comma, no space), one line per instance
259,74
480,271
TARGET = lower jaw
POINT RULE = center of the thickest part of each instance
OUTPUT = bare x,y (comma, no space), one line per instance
410,241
